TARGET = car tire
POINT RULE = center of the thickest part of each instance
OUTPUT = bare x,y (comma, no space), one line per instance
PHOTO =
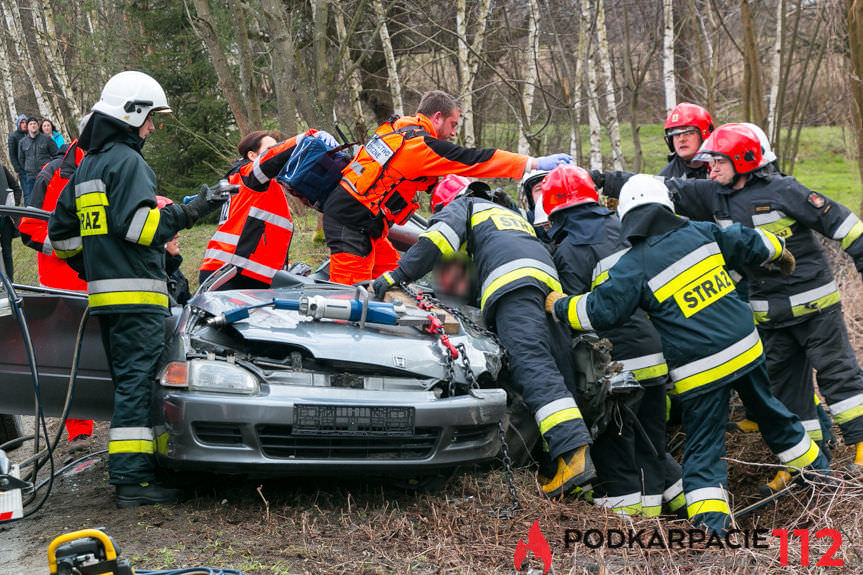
10,428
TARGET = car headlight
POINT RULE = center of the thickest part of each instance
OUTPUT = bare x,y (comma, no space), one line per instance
210,376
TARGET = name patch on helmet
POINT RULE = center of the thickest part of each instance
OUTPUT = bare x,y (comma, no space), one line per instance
704,291
817,200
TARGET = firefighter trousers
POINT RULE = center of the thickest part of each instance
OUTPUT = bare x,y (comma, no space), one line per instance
355,256
541,367
704,418
822,341
133,343
631,467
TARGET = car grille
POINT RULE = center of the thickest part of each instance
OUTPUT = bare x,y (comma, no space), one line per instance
218,433
279,441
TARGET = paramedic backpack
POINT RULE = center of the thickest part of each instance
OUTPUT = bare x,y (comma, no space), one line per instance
313,171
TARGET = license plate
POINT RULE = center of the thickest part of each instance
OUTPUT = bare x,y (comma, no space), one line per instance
353,420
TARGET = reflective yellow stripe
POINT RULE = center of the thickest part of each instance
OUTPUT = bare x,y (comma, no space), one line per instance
646,373
599,279
503,219
573,316
162,444
816,434
652,511
779,227
676,503
128,298
815,305
720,371
688,276
558,418
846,416
440,241
150,227
807,458
815,397
856,232
91,199
518,274
773,242
130,446
707,506
65,254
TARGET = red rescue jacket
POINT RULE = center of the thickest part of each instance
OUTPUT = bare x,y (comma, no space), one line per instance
53,272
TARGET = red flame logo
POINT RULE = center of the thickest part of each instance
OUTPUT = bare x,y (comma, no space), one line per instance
535,542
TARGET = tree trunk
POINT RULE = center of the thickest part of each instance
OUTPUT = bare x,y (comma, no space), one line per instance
6,77
352,76
855,45
43,17
629,72
753,105
203,23
592,98
468,62
240,23
774,114
668,55
530,76
281,57
608,79
13,24
392,69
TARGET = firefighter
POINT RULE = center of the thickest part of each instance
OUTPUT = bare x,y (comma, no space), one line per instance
516,272
378,187
631,470
686,127
54,272
530,198
255,227
107,224
676,272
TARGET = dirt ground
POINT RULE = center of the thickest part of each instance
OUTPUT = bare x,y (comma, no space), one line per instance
351,525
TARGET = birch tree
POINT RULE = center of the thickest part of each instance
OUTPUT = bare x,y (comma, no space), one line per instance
13,23
389,55
586,49
668,78
6,77
608,81
352,76
530,79
240,25
753,106
855,44
46,35
773,112
281,49
468,61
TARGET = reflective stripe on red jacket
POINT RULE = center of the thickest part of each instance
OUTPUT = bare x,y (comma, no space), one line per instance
256,234
53,272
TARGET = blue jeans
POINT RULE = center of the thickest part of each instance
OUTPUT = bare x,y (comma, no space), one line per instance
27,188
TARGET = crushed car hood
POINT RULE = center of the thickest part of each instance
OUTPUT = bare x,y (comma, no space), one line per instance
400,348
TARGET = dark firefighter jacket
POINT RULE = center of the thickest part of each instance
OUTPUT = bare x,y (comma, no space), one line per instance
108,213
53,272
678,168
404,157
502,244
589,244
679,278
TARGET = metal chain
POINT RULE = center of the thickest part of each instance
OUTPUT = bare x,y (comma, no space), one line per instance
504,512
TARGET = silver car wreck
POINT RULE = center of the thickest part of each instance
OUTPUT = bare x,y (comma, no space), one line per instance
280,392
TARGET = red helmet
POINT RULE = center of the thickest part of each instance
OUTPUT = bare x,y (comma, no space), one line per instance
567,186
736,142
453,186
162,201
686,114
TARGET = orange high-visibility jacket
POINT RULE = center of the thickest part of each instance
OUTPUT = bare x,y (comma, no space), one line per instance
405,157
256,227
53,272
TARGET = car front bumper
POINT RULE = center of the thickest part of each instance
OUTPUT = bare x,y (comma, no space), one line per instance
261,434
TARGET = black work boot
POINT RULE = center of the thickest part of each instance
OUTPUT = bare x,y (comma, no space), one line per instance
147,494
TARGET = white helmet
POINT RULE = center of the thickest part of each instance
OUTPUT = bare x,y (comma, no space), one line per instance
130,97
767,154
642,189
528,181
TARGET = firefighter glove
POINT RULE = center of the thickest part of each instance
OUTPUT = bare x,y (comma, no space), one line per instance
386,281
550,301
552,161
200,206
786,261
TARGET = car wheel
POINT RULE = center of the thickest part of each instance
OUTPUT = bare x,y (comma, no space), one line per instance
10,428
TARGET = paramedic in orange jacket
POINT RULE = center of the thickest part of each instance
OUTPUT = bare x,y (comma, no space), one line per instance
255,226
54,272
378,187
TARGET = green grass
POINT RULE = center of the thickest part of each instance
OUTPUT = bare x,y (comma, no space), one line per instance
824,163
